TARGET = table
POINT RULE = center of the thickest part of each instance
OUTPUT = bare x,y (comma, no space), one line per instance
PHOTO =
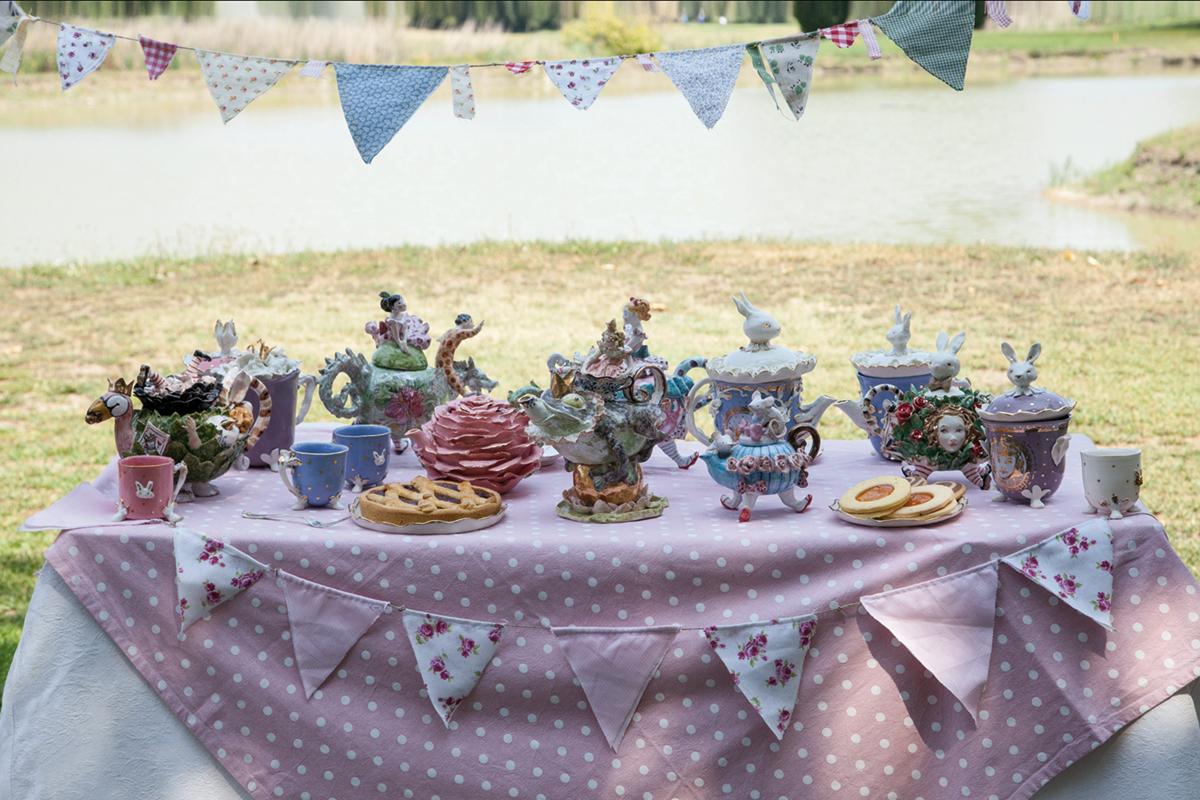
528,731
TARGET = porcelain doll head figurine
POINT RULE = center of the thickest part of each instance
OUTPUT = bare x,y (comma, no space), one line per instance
944,363
1022,374
393,304
949,428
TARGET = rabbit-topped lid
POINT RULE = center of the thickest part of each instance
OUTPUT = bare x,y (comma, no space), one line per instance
1025,402
899,361
759,361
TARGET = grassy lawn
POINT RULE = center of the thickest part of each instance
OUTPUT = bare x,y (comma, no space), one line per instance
1162,175
1120,333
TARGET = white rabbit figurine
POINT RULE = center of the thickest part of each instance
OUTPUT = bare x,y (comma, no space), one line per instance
1022,373
760,327
944,363
899,333
226,335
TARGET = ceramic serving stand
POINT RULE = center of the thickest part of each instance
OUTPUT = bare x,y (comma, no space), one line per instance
898,366
1027,434
396,387
758,366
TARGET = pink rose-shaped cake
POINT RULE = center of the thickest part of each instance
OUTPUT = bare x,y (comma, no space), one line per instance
478,439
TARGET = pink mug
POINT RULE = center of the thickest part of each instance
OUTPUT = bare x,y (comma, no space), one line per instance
148,488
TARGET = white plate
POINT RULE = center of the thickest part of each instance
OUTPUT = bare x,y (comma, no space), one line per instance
896,523
465,525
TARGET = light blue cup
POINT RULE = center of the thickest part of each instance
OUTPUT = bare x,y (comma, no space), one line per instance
315,473
370,451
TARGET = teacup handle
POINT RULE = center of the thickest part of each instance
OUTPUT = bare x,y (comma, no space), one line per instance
309,384
689,412
182,471
287,463
1059,451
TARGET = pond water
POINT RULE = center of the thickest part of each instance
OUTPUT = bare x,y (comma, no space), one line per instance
882,164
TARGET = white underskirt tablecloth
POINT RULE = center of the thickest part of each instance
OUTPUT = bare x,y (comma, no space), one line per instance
79,722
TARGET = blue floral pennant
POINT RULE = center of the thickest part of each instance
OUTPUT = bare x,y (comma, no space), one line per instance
705,77
377,99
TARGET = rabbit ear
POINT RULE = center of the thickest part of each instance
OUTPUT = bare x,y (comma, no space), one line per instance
897,313
907,318
942,340
1008,351
1034,352
743,305
957,342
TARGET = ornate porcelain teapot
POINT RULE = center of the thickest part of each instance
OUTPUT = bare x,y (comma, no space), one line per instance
397,387
603,413
194,419
933,428
758,366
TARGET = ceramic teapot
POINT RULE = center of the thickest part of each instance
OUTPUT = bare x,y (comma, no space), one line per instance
397,387
934,428
193,419
763,458
758,366
603,413
1027,433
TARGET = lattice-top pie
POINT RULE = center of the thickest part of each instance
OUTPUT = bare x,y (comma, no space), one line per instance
425,500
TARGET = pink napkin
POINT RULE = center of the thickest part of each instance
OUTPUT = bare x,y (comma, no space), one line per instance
83,507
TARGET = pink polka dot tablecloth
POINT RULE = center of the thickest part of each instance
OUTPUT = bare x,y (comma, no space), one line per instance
869,722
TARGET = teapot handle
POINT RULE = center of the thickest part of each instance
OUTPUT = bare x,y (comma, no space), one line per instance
689,411
309,384
1059,451
796,438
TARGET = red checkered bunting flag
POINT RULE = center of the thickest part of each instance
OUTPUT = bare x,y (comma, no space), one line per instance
519,67
841,35
998,11
158,56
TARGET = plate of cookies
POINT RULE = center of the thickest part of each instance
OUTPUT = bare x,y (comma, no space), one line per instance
425,506
889,501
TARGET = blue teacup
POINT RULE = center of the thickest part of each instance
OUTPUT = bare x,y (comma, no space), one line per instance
370,450
315,473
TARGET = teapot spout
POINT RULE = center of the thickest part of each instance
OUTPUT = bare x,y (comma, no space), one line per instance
810,414
418,437
853,410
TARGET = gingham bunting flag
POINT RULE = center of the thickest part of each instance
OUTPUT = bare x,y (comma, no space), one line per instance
705,77
766,661
646,62
519,67
1076,566
378,99
462,93
997,10
580,80
158,56
934,33
868,36
81,51
791,63
841,35
452,654
235,81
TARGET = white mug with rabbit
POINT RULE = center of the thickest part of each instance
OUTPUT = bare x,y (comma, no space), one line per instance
1022,374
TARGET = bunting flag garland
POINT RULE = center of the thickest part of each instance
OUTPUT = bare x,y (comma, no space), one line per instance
81,51
947,625
580,80
841,35
934,33
158,56
377,99
236,81
313,69
208,574
997,11
452,655
1081,8
324,623
766,661
705,77
462,93
614,666
791,62
1076,566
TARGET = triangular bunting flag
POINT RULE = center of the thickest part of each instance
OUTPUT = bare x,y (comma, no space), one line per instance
377,99
841,35
208,574
646,62
462,93
580,80
81,51
868,36
1081,8
158,56
946,624
313,69
236,81
791,64
705,77
766,660
452,655
934,33
325,623
614,666
1076,565
997,10
11,17
10,62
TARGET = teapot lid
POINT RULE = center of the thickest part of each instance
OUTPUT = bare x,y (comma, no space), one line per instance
897,361
750,365
1040,404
